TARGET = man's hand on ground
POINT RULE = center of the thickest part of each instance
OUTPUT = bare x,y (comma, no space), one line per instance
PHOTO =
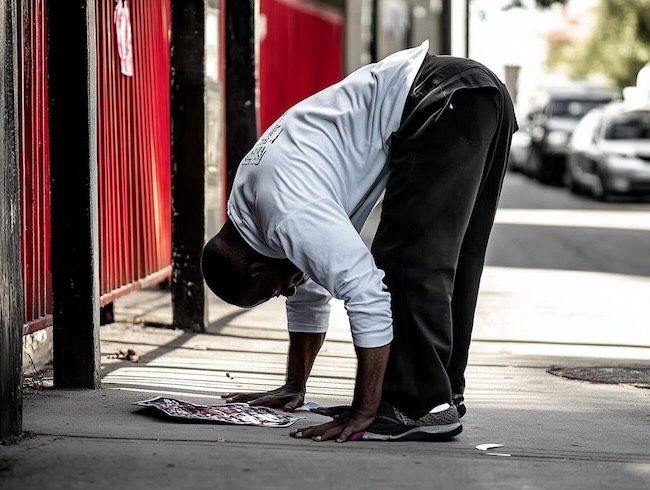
367,395
286,397
342,428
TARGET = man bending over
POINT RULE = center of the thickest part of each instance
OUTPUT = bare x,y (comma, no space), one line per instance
433,134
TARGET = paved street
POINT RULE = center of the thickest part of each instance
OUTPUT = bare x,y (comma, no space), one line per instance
545,227
533,315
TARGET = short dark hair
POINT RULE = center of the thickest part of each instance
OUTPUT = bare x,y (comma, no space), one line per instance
224,263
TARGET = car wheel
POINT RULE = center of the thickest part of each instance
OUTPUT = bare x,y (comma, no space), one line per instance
543,170
599,191
532,164
570,183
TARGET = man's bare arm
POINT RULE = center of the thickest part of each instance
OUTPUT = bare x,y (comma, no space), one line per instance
370,378
367,395
303,349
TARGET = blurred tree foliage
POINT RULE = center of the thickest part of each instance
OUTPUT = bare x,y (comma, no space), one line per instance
542,4
618,48
547,3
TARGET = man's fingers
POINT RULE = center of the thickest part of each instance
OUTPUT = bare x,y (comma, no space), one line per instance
293,404
345,435
282,397
262,400
341,429
311,432
239,397
323,432
329,434
267,401
319,433
232,397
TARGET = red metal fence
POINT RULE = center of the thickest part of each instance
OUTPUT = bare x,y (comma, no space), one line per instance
133,155
301,54
34,152
134,151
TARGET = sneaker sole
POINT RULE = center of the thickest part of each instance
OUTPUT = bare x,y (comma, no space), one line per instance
338,410
435,433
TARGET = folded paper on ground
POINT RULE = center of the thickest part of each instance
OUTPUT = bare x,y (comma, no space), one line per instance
231,413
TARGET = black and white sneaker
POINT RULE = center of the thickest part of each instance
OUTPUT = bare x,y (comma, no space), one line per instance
391,424
457,400
459,403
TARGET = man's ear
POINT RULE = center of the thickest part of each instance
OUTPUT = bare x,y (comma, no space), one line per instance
257,270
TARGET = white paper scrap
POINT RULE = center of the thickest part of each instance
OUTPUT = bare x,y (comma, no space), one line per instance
306,407
485,447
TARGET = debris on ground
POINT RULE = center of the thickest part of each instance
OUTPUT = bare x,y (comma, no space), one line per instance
38,380
486,447
125,354
307,406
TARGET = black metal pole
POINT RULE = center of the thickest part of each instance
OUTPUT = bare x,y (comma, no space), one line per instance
11,283
188,163
445,28
467,26
374,31
241,82
74,192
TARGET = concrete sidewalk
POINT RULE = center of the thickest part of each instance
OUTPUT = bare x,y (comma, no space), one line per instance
556,433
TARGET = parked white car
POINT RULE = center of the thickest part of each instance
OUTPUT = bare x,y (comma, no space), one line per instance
609,152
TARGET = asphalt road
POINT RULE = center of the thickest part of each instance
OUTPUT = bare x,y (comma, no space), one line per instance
570,232
542,227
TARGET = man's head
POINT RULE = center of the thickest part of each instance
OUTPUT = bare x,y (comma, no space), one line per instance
241,276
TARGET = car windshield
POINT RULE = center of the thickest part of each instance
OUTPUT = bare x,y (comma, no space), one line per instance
572,108
629,126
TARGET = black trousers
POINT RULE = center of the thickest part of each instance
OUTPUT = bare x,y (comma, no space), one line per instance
447,162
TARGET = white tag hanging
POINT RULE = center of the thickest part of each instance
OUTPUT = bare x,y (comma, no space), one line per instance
123,34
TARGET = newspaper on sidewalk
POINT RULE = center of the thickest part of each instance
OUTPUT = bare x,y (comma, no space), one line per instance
231,413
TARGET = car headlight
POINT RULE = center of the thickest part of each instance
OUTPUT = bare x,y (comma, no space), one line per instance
557,138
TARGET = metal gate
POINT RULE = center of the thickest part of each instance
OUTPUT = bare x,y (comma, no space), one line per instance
134,150
133,155
34,153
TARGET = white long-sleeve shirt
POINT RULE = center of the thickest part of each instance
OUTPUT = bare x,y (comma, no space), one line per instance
306,188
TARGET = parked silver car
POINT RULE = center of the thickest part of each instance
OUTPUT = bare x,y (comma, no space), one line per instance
552,123
609,152
520,146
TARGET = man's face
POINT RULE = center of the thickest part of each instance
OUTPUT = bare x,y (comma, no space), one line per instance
273,282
